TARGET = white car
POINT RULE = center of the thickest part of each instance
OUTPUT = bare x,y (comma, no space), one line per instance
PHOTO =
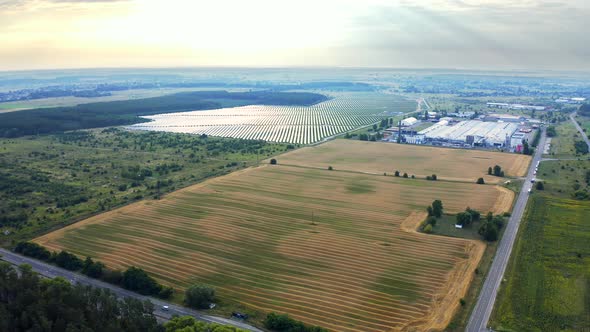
165,307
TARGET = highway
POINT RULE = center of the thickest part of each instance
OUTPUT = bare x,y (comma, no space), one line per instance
584,136
51,271
487,296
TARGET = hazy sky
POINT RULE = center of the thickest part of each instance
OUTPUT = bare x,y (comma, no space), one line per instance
490,34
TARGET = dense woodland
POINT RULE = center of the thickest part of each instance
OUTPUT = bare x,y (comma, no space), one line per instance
52,180
115,113
30,303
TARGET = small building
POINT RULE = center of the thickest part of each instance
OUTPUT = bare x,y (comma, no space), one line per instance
516,139
407,122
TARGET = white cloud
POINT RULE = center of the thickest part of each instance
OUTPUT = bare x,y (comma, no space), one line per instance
404,33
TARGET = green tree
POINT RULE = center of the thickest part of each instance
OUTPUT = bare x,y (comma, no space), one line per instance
463,218
540,186
428,229
396,173
199,296
138,280
490,170
30,303
480,181
273,161
497,170
405,175
489,232
92,269
68,261
437,208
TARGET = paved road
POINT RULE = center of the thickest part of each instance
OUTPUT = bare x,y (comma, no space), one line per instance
485,303
584,136
51,271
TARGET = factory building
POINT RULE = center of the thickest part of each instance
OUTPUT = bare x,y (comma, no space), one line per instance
494,117
471,133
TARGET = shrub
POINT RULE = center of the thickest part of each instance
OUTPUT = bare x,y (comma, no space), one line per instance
431,221
428,229
480,181
32,249
405,175
282,322
92,269
273,161
540,186
463,218
114,277
330,168
199,296
68,261
138,280
396,173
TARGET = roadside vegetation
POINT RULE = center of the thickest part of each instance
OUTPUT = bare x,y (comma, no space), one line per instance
53,180
133,279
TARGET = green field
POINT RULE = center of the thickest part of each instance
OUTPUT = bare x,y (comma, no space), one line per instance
584,123
548,279
563,144
52,180
547,285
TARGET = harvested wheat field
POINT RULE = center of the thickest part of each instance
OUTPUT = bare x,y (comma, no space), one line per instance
379,158
251,235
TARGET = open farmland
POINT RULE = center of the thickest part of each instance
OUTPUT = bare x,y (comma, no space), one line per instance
288,124
379,158
355,265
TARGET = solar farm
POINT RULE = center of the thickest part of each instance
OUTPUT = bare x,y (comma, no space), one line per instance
286,124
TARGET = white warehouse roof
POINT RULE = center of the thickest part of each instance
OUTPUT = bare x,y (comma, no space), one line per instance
492,132
409,121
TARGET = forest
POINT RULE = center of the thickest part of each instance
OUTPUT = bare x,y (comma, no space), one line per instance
31,303
116,113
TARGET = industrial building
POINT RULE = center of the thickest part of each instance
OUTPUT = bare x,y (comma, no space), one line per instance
471,133
517,106
494,117
575,100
